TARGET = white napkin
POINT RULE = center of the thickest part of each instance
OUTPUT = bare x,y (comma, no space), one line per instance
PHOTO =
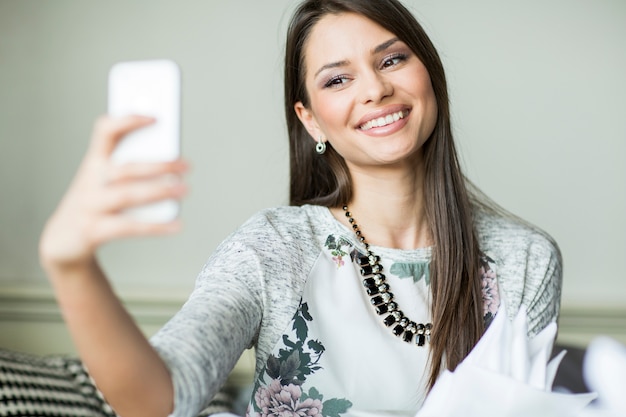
505,375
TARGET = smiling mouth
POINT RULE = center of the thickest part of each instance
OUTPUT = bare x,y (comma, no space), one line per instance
384,121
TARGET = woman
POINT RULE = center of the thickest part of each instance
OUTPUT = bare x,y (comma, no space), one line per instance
346,317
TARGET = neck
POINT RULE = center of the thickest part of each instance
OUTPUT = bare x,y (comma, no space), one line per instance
388,206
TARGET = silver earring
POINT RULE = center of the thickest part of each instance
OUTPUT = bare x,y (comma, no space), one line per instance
320,147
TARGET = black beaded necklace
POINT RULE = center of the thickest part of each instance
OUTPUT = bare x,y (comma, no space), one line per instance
382,298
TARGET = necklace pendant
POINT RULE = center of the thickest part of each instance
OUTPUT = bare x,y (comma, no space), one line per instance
423,333
374,281
410,331
371,269
427,330
369,260
381,309
373,290
392,318
382,298
385,308
399,328
408,336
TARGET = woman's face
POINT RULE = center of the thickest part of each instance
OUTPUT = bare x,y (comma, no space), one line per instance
369,94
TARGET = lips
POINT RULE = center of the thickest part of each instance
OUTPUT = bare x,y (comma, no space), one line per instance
385,120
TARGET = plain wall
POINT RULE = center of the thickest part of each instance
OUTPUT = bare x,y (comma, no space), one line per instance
537,97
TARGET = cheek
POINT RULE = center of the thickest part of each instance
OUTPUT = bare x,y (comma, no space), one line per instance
332,113
424,90
431,106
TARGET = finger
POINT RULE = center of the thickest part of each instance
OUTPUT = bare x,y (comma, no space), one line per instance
124,196
140,171
116,227
108,131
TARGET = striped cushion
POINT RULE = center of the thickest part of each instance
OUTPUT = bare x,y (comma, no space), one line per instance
47,386
59,386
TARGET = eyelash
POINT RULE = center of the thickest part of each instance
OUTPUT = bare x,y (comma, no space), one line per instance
400,57
332,82
338,80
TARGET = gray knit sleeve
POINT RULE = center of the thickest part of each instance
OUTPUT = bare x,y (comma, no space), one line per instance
529,266
204,340
542,286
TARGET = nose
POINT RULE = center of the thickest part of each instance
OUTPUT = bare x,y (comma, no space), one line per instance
375,87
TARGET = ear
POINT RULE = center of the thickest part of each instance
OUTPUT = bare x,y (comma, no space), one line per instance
308,120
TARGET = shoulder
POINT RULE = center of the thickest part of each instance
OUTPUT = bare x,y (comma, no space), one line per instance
278,236
506,236
291,224
282,217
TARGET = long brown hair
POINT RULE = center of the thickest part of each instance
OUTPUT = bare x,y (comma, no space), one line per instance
325,180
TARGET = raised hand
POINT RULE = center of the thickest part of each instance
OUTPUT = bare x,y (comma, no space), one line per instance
92,210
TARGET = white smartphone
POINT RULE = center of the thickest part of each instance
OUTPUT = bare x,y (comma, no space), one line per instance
150,88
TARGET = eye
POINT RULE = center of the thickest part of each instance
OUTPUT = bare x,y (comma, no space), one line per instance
393,60
336,81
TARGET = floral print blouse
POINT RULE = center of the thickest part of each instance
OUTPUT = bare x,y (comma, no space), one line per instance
337,357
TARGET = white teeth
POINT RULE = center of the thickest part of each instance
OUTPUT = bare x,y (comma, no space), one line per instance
384,121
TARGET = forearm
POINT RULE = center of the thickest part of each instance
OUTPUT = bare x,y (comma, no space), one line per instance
133,378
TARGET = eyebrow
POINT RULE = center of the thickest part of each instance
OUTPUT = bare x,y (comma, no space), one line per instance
332,65
385,45
344,62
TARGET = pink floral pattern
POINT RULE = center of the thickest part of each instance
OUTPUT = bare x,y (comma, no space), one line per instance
489,285
339,248
283,394
339,261
285,401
